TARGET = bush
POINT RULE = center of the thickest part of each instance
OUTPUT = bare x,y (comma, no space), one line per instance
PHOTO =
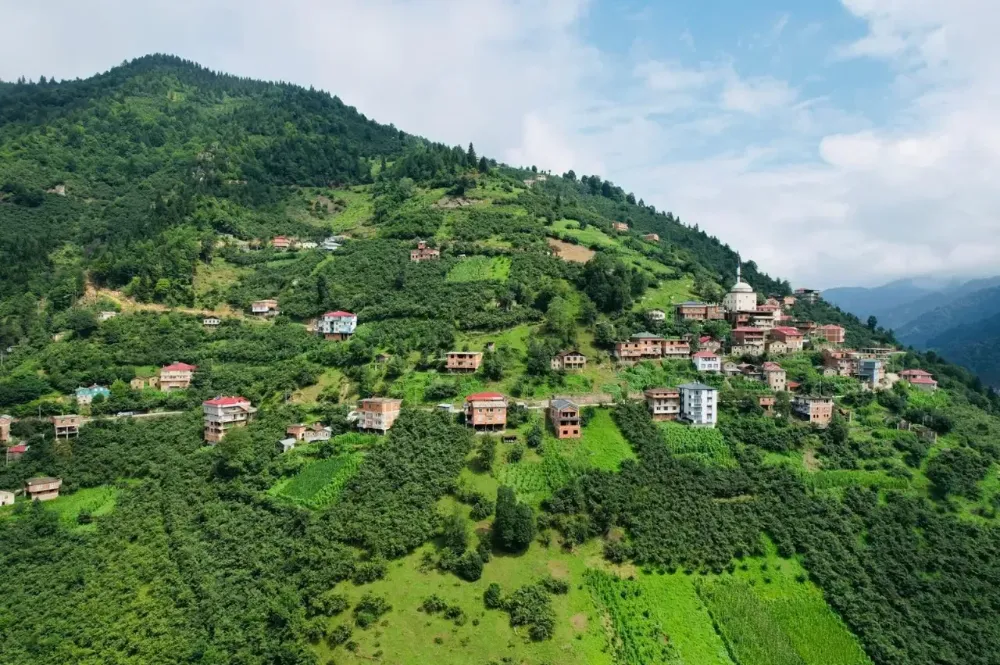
339,635
369,609
368,571
470,566
492,597
433,604
326,604
555,585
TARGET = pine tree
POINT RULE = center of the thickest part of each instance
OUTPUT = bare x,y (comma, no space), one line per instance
514,526
484,165
471,156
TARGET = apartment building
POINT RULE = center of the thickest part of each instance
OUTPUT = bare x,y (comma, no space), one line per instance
377,414
565,418
663,403
223,414
699,404
486,411
464,361
176,376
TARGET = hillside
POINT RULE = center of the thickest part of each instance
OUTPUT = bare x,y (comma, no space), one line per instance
139,203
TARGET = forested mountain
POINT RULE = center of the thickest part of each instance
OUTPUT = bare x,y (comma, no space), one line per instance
139,205
879,301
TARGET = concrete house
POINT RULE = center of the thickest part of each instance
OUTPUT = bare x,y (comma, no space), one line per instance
223,414
377,414
766,402
706,343
211,322
309,433
143,382
697,311
569,361
331,244
6,498
844,363
85,396
287,445
774,376
66,426
281,242
620,226
656,315
676,348
651,237
833,334
464,361
486,411
641,346
871,371
807,295
817,410
748,341
663,403
5,422
919,379
776,348
265,308
706,361
307,244
792,338
337,326
729,368
424,253
176,376
699,404
42,489
565,418
15,453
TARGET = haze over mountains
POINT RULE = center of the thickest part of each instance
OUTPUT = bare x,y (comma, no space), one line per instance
952,317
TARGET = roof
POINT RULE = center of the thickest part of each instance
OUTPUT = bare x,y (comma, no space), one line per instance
771,367
792,385
741,287
787,330
692,303
382,400
748,329
694,386
466,353
19,448
4,416
914,372
42,480
659,391
704,354
338,313
829,326
569,352
562,404
705,338
645,335
179,367
226,401
922,379
476,397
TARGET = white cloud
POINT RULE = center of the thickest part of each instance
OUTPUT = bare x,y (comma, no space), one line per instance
812,191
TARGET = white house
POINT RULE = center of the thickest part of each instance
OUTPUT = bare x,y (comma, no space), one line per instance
331,244
104,316
656,315
706,361
307,244
699,404
337,325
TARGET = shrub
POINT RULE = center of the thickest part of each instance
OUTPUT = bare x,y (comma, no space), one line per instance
492,597
369,609
433,604
470,566
339,635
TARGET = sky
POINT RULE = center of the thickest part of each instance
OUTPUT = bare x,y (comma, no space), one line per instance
834,142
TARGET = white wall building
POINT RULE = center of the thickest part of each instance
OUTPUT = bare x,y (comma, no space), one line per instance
699,404
337,325
706,361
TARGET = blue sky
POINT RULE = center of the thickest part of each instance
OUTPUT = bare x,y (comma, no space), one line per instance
835,142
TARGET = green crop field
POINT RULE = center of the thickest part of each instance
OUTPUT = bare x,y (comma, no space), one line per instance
751,632
704,444
319,484
638,637
602,446
480,269
589,236
534,478
96,501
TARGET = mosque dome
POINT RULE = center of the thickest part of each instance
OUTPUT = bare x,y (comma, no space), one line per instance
741,287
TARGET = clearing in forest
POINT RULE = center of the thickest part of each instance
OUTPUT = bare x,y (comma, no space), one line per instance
480,269
704,444
319,483
570,252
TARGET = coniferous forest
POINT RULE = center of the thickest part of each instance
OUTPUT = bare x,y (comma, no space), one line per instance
138,204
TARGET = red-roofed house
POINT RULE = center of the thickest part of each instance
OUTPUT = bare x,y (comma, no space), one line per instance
281,242
775,376
338,326
834,334
793,386
707,343
424,253
790,336
706,361
222,414
176,376
15,453
912,373
920,379
748,340
486,411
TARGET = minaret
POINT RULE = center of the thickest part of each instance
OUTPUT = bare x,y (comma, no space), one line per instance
738,269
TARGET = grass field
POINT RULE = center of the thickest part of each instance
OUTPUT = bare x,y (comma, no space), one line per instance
602,445
358,212
97,501
666,295
330,380
480,269
536,477
319,484
588,236
212,281
836,478
700,443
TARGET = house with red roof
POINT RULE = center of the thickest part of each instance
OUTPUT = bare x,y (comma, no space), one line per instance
337,326
707,343
486,411
775,376
176,376
281,242
223,414
919,379
424,253
791,337
706,361
14,453
833,334
748,340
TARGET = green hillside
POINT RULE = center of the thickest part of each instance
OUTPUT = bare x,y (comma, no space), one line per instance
154,191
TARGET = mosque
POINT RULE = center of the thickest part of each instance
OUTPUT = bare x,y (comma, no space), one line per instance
741,298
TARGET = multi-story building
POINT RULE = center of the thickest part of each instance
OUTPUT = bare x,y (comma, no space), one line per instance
676,348
919,379
706,343
176,376
749,336
620,226
641,346
844,363
377,414
424,253
775,376
788,301
337,326
871,371
464,361
663,403
565,418
265,308
569,361
792,338
833,334
5,422
85,396
656,315
706,361
66,426
817,410
697,311
486,411
766,402
42,489
651,237
776,348
699,404
807,295
222,414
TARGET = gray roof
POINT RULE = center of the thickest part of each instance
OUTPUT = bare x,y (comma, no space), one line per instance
695,386
562,404
645,335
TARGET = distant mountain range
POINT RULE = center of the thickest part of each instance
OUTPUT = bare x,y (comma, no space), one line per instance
958,319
